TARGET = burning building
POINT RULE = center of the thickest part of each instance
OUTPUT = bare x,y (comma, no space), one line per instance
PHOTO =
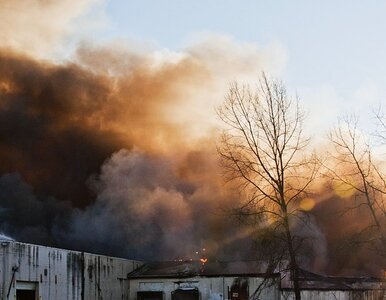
31,272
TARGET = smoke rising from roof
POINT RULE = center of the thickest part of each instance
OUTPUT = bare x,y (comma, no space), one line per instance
114,152
114,145
144,209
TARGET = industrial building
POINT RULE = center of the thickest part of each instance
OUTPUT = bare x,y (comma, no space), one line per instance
192,280
243,281
33,272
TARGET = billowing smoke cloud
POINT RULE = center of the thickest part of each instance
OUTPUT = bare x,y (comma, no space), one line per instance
28,216
144,209
113,151
59,122
39,27
313,246
63,128
49,125
350,239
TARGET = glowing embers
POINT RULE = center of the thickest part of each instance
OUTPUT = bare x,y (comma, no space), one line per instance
203,259
202,256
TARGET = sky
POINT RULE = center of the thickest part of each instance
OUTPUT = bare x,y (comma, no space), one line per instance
333,50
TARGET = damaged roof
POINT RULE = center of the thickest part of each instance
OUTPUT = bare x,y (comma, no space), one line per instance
178,269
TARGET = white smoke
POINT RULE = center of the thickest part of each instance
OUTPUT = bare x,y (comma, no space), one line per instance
41,28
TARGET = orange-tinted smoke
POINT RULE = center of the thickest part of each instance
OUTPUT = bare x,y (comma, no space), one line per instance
60,122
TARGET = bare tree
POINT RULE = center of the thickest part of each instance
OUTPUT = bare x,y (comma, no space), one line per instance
356,173
262,149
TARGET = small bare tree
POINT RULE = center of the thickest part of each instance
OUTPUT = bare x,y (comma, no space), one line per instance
262,149
355,173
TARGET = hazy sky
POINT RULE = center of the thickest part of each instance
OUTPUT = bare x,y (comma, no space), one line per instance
334,49
327,42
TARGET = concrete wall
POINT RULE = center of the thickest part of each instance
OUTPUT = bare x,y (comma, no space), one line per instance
106,277
210,288
62,274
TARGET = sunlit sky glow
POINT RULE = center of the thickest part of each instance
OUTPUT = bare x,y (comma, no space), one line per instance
334,49
328,42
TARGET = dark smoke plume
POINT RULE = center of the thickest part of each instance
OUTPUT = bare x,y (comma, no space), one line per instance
27,216
60,125
113,153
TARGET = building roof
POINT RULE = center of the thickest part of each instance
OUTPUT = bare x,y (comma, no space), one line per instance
307,280
313,281
180,269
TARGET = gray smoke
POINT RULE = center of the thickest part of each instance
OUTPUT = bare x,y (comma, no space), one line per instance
29,217
142,210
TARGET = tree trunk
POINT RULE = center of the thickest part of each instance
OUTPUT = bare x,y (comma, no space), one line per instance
294,268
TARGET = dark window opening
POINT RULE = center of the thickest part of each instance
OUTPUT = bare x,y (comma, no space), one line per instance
185,294
25,295
149,295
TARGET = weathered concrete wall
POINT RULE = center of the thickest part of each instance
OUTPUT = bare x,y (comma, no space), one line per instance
210,288
62,274
106,277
